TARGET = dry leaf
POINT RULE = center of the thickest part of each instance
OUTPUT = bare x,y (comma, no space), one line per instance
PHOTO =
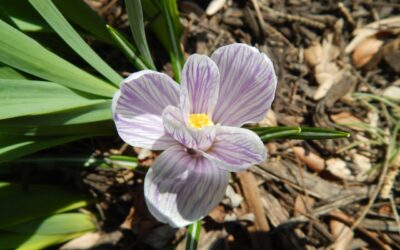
365,50
388,24
312,160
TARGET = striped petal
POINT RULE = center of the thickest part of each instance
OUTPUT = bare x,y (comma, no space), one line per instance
138,106
181,188
247,86
200,83
199,139
236,149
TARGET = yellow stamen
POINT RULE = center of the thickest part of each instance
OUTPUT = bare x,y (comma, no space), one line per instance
199,120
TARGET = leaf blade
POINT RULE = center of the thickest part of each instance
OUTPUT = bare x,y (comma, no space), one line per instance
61,26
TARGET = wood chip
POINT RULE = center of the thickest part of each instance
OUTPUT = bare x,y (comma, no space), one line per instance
312,160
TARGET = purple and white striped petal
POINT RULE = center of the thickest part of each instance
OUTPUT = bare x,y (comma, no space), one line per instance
236,149
247,86
138,106
181,188
199,139
200,83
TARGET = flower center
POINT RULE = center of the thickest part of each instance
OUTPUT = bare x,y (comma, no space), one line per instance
199,120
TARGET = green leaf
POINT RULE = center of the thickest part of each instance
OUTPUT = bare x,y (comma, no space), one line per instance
44,232
193,235
42,97
318,134
94,129
20,204
127,48
32,242
135,15
176,53
22,52
24,16
269,133
301,133
10,73
13,147
78,12
66,223
61,26
88,114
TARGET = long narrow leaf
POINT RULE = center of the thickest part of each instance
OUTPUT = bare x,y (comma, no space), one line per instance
23,53
42,97
20,204
13,147
135,15
318,134
78,12
10,73
176,51
270,133
61,26
127,48
44,232
88,114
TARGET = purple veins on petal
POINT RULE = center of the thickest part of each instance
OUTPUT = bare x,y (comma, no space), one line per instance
200,83
138,106
247,85
181,188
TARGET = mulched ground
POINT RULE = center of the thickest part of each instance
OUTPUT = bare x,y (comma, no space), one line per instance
335,62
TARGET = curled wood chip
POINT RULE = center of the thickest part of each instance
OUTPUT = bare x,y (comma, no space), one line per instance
365,50
312,160
322,57
392,92
362,165
269,120
215,6
339,168
342,233
86,241
234,199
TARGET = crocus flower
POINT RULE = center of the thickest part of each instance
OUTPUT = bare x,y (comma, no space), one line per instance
198,125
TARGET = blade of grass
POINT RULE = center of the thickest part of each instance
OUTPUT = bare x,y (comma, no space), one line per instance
127,48
22,52
193,235
60,25
135,15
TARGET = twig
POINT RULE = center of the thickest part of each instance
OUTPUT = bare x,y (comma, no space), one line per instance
346,13
259,16
378,187
296,18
